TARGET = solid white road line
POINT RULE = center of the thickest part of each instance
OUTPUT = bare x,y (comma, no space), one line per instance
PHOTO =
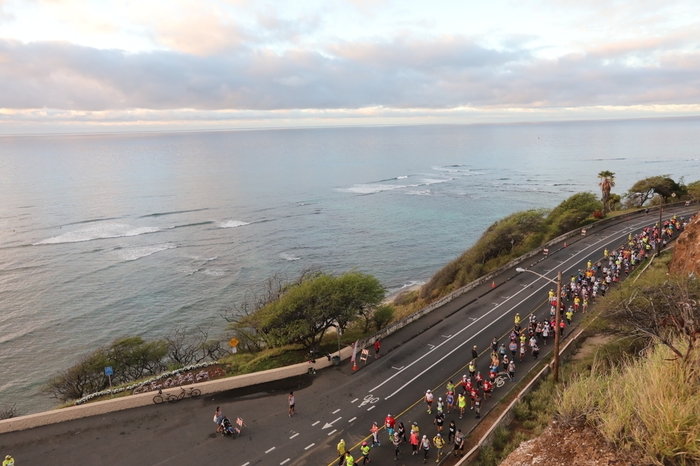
268,451
285,461
335,411
332,432
309,446
594,245
317,422
293,436
352,419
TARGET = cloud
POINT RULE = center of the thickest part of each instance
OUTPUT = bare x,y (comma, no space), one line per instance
404,73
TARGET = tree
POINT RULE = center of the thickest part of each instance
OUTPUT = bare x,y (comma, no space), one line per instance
662,185
663,311
607,182
305,310
694,190
571,213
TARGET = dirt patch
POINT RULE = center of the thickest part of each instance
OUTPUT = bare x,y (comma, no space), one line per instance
572,446
591,345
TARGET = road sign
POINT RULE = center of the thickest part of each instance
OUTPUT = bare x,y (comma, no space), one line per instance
233,342
109,371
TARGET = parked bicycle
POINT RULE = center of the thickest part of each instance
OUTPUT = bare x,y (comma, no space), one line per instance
170,398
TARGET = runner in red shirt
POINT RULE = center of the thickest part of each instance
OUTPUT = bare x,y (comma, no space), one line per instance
389,423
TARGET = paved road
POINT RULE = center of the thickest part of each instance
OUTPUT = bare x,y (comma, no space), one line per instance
337,402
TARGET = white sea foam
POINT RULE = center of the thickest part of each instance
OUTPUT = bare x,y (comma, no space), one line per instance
403,177
436,181
232,224
99,231
289,257
214,272
371,188
137,252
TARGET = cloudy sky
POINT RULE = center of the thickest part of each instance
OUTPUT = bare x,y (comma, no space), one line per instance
103,65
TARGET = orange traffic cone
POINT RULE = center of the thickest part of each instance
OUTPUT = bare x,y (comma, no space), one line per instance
354,365
493,284
564,244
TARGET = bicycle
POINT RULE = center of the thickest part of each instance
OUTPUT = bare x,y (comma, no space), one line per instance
501,379
170,398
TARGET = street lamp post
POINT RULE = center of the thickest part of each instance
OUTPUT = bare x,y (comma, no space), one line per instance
557,320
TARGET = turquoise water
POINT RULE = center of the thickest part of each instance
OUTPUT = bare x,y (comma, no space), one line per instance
112,235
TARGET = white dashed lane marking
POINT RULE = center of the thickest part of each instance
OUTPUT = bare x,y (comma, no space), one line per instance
309,446
352,419
354,400
293,436
332,432
335,411
268,451
371,408
317,422
285,461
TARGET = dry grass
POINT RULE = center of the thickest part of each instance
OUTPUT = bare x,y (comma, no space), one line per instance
650,404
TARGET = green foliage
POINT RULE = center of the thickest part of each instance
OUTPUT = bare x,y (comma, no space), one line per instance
571,213
382,316
694,190
509,238
662,185
305,310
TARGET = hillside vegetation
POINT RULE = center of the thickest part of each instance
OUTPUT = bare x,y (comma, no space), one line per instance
502,242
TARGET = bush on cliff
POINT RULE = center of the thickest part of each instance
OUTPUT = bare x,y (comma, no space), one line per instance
303,311
510,238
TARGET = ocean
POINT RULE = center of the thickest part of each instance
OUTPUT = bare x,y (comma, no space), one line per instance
104,236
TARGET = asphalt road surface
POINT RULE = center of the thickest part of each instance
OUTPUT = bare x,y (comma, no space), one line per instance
336,402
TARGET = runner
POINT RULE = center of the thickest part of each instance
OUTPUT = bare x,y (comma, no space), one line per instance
511,371
291,404
461,404
459,444
415,440
402,432
439,443
535,350
451,431
439,421
397,445
440,405
349,459
425,446
341,452
429,401
475,353
477,406
375,435
513,347
389,423
488,389
365,452
377,345
450,401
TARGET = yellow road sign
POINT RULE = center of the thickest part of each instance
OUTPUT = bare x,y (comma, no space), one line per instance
233,342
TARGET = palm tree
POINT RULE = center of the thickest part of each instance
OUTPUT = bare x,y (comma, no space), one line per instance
607,182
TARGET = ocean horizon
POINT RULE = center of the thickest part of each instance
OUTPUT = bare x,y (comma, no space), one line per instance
109,235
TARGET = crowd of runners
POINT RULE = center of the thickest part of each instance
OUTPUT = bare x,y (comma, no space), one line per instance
474,388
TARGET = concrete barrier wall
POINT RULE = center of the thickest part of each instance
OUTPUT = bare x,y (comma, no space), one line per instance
144,399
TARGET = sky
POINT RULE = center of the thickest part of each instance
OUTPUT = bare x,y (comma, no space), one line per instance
100,66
